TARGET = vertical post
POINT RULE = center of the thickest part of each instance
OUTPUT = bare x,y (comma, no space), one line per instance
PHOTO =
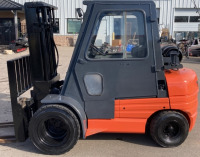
16,24
124,40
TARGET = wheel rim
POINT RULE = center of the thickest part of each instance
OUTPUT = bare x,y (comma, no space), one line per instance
56,128
171,131
53,131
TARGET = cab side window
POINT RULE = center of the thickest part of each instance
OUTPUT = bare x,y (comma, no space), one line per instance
119,35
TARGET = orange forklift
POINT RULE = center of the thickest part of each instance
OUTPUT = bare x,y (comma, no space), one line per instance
119,79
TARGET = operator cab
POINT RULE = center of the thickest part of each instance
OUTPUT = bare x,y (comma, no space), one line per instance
116,57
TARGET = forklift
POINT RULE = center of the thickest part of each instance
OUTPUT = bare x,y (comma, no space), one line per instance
119,79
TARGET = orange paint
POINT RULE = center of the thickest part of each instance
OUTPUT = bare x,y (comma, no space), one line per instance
131,115
183,92
182,82
117,108
142,108
117,125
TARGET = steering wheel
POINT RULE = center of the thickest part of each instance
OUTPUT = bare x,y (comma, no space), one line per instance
95,50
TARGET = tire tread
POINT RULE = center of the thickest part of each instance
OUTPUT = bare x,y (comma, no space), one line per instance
154,123
43,110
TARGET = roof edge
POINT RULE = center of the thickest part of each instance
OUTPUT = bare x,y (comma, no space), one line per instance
11,5
86,2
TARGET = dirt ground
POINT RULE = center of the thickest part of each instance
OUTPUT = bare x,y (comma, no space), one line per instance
106,145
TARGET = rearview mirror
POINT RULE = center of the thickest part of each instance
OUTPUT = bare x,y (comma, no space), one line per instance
80,12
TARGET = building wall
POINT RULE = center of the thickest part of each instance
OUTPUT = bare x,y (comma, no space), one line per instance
9,14
166,8
186,26
168,12
21,16
66,9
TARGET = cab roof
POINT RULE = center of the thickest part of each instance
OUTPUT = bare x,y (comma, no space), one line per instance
114,1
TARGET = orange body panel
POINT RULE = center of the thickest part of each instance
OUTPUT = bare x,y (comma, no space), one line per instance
182,82
131,115
117,125
183,92
117,108
142,108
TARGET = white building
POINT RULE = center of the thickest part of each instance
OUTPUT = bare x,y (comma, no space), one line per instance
179,16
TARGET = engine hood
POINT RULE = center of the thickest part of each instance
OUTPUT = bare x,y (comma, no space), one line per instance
182,82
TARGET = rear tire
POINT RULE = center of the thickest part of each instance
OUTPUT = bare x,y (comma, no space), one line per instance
54,129
169,128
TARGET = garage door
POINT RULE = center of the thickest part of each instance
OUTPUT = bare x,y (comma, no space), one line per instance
186,20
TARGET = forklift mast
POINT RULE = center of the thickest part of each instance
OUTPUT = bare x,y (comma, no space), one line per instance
38,71
40,19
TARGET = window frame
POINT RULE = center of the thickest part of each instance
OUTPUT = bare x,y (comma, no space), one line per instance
195,21
118,59
188,19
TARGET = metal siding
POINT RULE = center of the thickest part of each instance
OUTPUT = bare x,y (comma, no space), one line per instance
66,9
181,27
182,12
167,11
161,13
168,22
185,26
199,4
65,15
157,3
186,4
171,17
192,4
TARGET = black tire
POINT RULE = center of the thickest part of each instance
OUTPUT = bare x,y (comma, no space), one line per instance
169,128
54,129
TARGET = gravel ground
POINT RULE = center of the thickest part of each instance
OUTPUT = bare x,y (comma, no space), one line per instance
106,145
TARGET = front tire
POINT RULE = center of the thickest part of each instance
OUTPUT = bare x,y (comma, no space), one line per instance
169,128
54,129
